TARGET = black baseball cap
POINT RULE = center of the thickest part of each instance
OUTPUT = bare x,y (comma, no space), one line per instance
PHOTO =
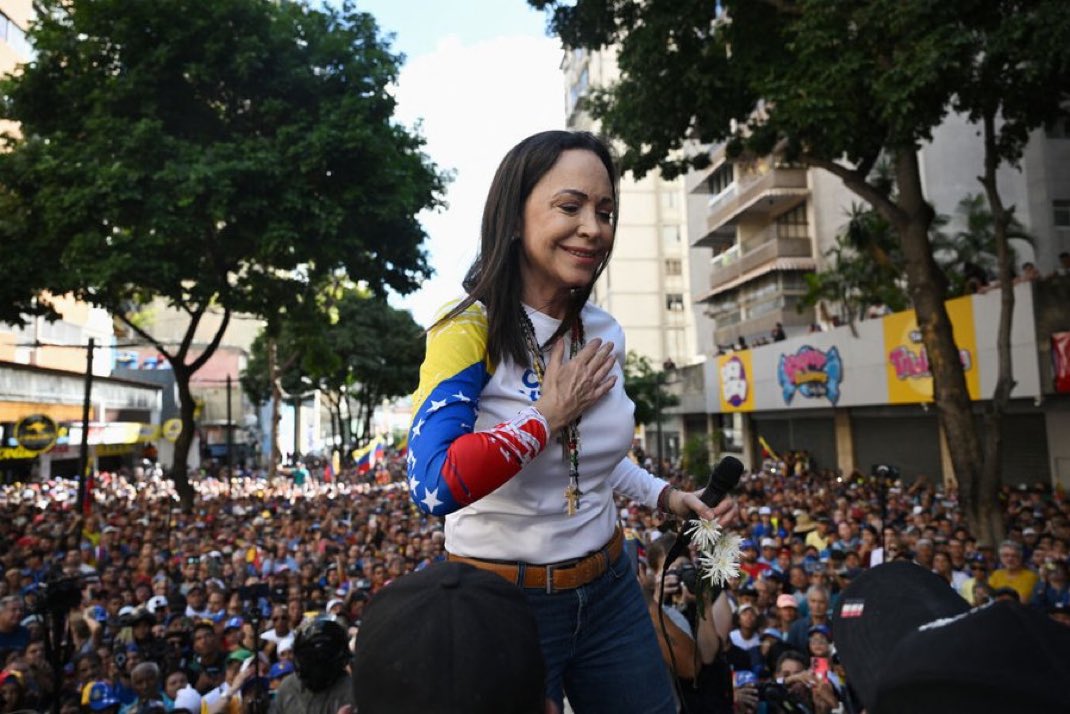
909,643
468,636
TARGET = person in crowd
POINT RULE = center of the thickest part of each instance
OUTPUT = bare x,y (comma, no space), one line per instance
1013,573
14,636
806,690
787,611
817,599
280,635
320,684
1054,586
694,645
365,524
146,684
547,233
208,666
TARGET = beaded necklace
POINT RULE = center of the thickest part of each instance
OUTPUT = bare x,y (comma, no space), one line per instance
570,434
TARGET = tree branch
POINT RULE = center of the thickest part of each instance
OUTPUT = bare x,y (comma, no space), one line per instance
191,330
211,348
147,337
856,181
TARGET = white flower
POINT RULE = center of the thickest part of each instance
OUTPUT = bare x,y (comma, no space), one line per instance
704,534
721,563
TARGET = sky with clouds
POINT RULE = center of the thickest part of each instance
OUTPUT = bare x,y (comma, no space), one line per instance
479,76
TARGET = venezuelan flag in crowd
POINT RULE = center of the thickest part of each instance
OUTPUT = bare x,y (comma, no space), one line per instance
367,456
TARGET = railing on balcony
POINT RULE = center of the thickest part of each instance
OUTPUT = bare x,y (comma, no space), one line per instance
745,193
730,265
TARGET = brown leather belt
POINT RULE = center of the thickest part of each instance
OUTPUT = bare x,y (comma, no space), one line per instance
566,575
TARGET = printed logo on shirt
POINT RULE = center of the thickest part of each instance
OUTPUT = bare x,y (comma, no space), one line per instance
531,389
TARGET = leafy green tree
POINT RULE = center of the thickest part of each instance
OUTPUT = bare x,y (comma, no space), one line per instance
834,85
861,269
231,154
645,386
1018,81
696,458
363,352
381,350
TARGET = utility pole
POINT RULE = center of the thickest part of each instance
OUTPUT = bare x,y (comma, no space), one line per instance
83,453
230,436
297,428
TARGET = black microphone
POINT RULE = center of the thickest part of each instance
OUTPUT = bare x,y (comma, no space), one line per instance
723,478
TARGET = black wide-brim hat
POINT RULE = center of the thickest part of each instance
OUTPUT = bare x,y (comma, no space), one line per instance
909,643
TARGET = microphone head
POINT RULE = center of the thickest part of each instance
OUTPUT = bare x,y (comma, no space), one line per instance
726,474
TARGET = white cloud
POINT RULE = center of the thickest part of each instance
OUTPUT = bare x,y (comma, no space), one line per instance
475,103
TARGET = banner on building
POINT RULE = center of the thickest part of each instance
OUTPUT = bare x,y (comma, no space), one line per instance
909,378
735,375
1060,361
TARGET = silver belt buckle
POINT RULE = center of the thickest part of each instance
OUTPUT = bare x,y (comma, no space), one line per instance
549,579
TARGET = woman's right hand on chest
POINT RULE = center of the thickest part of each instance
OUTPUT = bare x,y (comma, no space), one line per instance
569,388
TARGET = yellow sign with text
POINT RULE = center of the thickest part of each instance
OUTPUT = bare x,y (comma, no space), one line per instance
907,364
735,378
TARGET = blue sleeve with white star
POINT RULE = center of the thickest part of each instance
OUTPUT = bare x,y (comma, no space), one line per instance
450,465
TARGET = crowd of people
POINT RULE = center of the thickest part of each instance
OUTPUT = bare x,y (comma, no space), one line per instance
209,610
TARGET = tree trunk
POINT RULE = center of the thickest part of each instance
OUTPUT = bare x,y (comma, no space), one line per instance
276,397
986,520
180,469
928,287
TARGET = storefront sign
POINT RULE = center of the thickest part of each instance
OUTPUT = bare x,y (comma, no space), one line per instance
737,381
811,372
36,433
171,429
908,374
16,452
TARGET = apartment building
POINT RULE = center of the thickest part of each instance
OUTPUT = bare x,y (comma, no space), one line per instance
647,285
854,398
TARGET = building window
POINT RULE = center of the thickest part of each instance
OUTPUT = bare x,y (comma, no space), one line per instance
670,236
578,90
1058,129
1061,213
793,223
674,302
14,36
720,179
668,199
673,266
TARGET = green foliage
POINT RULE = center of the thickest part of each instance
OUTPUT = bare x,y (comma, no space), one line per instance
236,154
696,458
367,351
862,268
225,153
974,244
644,385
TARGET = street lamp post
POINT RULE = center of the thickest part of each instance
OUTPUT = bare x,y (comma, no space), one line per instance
659,382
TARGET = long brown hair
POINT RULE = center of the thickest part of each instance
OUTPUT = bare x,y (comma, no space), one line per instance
494,278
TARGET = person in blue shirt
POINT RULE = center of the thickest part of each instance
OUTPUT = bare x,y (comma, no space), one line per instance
1053,588
14,636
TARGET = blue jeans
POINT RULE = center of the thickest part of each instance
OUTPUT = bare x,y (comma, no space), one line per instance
600,649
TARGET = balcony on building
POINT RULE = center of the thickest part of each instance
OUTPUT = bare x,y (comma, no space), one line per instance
753,190
753,310
760,280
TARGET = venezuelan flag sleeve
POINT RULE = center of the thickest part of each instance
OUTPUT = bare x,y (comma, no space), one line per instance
449,464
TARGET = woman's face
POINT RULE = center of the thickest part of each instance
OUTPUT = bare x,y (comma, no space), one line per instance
567,228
